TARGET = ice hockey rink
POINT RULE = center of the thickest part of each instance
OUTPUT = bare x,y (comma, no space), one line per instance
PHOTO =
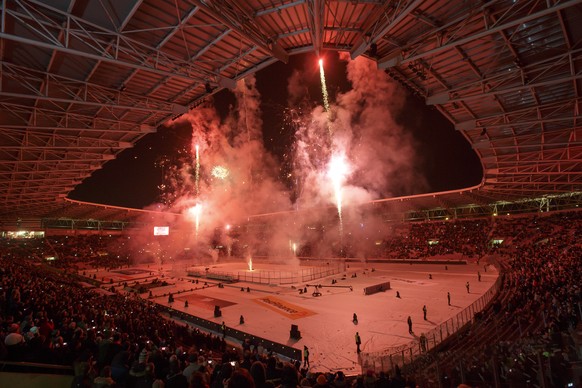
272,299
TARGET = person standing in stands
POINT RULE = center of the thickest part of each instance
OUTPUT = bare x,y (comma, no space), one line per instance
423,342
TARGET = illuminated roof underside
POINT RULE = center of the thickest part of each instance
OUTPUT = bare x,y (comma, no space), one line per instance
83,80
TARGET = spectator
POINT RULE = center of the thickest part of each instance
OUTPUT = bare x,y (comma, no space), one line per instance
241,378
104,379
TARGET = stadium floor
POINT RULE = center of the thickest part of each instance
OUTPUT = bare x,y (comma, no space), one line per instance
325,321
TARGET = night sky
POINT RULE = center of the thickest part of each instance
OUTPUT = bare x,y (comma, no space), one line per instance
446,158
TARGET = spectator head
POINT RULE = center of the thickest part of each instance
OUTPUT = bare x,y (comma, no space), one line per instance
143,356
241,378
106,371
289,376
198,380
321,381
258,373
174,364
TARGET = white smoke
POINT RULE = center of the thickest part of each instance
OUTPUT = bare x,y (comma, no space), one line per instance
361,126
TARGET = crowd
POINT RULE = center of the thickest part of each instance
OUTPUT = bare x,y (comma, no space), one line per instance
428,239
46,317
124,341
530,330
90,250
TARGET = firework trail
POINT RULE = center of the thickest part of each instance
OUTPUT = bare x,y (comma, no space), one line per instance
196,211
197,170
325,95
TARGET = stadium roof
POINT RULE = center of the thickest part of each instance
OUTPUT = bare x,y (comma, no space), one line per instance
80,81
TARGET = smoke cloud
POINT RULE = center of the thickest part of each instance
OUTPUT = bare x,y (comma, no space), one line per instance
237,180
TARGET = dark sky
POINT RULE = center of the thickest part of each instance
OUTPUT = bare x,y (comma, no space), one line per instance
131,180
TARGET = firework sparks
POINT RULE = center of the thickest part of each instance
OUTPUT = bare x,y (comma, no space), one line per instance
338,171
220,172
324,93
196,211
197,170
250,263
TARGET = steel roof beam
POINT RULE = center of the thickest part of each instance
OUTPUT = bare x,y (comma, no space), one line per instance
45,190
38,185
55,116
25,147
175,109
386,19
58,159
71,173
48,140
315,12
527,136
529,174
443,99
17,182
49,86
521,162
99,43
238,20
520,191
276,8
466,125
555,106
520,145
166,38
40,130
499,79
388,60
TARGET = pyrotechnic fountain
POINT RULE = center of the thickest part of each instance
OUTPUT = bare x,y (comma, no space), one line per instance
337,171
228,241
250,263
196,211
338,166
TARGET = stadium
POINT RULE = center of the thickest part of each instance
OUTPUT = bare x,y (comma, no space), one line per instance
290,238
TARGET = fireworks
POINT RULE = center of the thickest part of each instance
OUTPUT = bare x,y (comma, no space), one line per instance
220,172
196,211
197,170
324,92
338,171
250,263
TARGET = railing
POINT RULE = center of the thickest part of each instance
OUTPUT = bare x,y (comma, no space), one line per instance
241,336
389,358
302,275
35,367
